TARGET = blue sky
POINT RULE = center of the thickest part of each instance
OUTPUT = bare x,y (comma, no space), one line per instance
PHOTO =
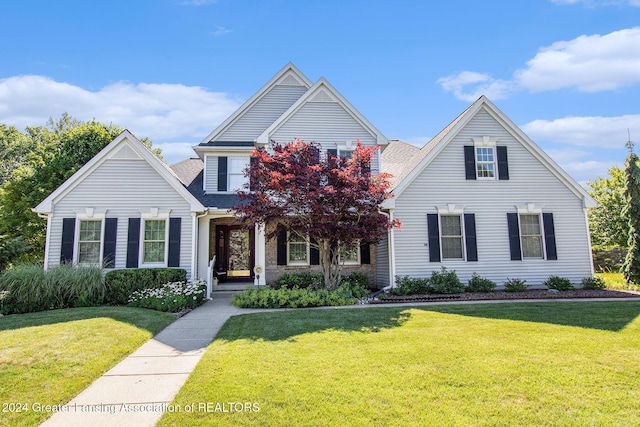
566,71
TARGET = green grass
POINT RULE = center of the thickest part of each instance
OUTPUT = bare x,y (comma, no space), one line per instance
570,364
49,357
616,281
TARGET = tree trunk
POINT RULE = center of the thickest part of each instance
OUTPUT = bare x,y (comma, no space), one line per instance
330,263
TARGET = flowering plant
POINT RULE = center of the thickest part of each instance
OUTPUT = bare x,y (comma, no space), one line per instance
172,297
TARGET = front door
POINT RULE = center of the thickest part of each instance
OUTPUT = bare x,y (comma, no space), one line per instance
234,249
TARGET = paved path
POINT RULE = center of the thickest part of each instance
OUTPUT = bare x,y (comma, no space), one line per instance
137,390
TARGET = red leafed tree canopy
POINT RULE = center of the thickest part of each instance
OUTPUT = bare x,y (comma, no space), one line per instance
329,200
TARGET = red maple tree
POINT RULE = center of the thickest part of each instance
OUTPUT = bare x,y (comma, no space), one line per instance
329,200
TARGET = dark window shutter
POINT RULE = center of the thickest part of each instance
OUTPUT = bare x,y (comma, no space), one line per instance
514,237
470,162
365,253
282,247
133,243
503,163
109,248
470,237
252,185
222,174
68,236
434,237
175,230
316,155
333,151
314,254
549,236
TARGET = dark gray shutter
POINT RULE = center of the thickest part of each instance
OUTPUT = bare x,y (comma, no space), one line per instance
314,254
133,243
514,237
282,247
222,174
109,247
365,253
503,163
434,237
470,237
333,151
469,162
175,230
549,236
252,184
68,236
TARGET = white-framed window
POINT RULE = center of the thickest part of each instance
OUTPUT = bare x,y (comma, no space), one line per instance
485,153
350,255
531,237
451,236
298,252
89,235
154,238
235,172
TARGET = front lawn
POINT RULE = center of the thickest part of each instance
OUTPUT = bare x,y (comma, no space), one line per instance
47,358
570,363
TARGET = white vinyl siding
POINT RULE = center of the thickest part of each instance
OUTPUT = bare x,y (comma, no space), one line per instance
443,182
211,174
328,124
271,106
382,262
123,188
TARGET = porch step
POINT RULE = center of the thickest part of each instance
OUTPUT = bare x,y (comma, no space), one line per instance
238,286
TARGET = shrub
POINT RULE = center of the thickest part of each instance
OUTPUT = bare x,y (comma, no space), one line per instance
356,279
299,280
446,282
593,283
515,285
30,288
171,297
480,284
411,286
558,283
120,284
268,297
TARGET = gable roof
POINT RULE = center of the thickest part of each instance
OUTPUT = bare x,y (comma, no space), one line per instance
124,146
289,74
421,160
322,90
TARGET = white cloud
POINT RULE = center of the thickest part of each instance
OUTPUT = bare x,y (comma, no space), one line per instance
220,30
482,84
595,3
173,152
589,63
159,111
589,131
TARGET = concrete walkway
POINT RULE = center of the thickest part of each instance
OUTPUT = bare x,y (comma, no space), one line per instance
137,391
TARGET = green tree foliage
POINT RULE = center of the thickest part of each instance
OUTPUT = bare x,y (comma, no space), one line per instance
14,148
632,192
608,223
58,150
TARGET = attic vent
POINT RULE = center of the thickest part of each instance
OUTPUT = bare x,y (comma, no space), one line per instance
290,80
126,153
322,96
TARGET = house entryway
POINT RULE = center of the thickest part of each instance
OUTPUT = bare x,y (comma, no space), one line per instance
233,248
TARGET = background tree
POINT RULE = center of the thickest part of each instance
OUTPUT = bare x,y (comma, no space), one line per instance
14,148
608,223
332,201
632,192
57,152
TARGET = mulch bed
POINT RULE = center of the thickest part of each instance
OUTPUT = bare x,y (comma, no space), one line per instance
502,295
